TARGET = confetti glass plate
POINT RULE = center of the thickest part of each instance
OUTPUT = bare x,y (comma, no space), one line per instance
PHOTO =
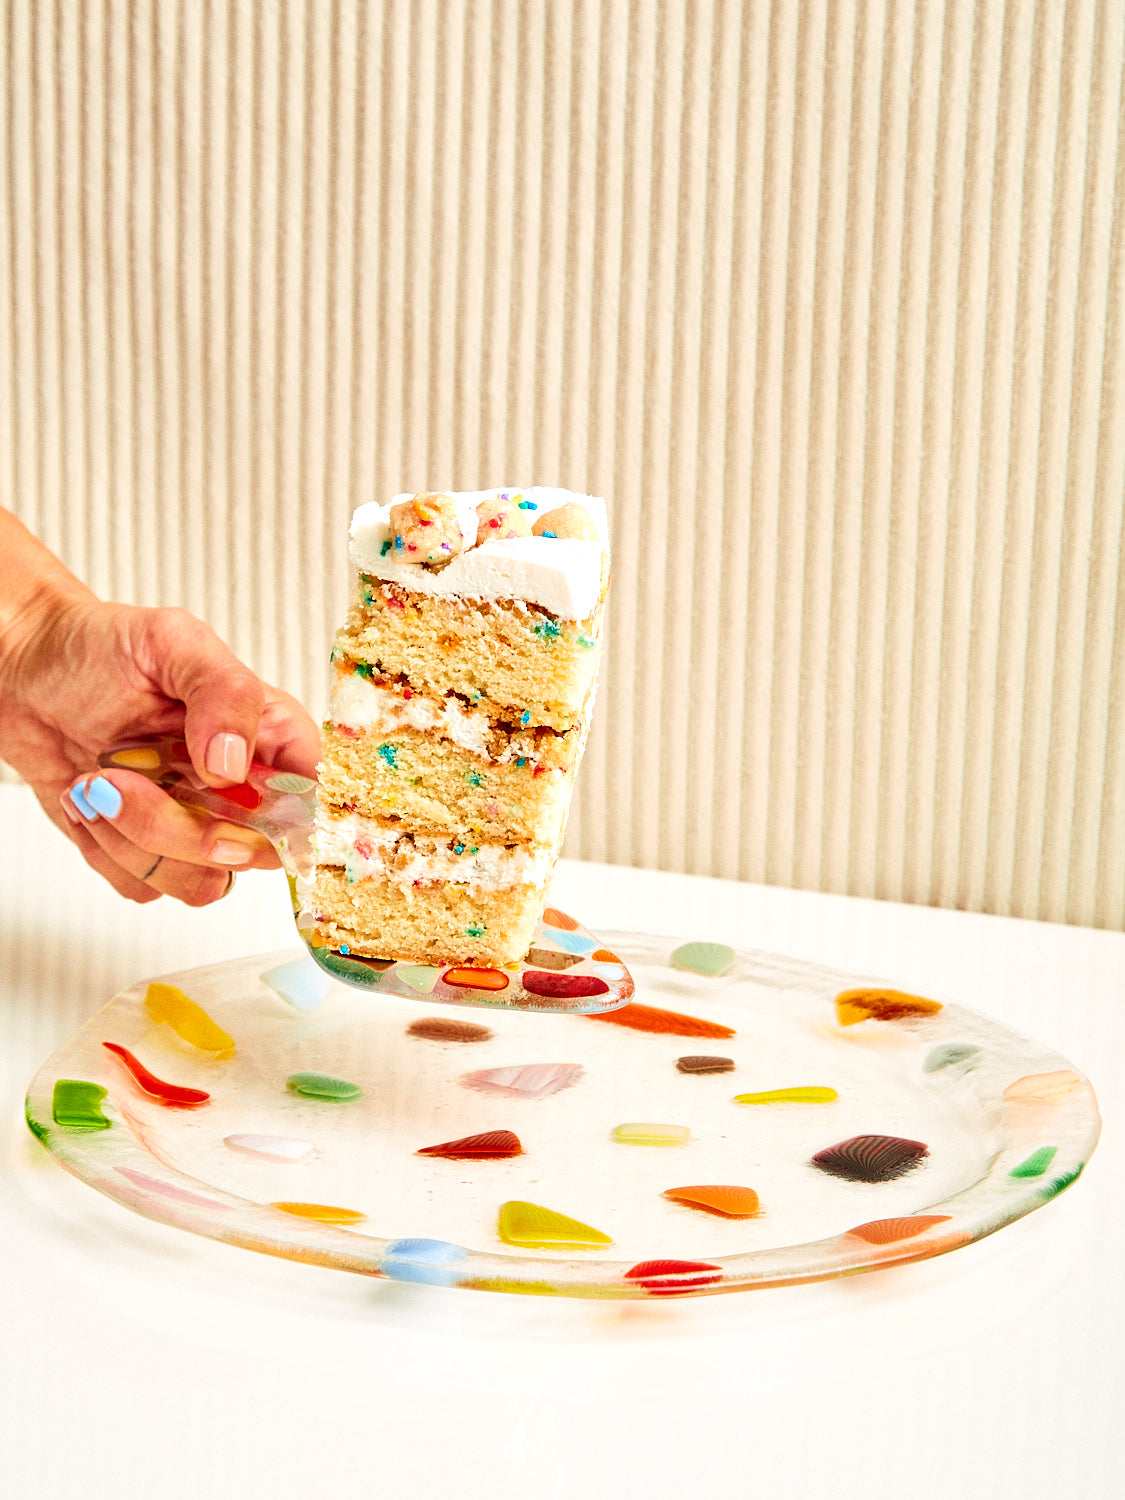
748,1121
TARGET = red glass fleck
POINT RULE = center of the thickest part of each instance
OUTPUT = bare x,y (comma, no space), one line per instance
662,1022
476,979
563,986
172,1094
492,1144
871,1158
243,795
667,1277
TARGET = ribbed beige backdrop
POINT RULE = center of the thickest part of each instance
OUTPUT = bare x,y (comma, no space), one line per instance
828,298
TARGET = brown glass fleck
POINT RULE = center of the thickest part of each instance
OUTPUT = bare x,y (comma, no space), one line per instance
439,1029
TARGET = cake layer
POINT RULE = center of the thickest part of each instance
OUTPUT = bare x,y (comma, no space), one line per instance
386,707
426,924
507,657
366,848
435,788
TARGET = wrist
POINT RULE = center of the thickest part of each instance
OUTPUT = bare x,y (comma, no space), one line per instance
36,590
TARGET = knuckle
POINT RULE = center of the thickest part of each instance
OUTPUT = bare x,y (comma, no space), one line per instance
202,887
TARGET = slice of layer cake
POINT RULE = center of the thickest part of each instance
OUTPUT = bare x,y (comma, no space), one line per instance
463,682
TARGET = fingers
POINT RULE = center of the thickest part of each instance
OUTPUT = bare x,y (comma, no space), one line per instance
287,736
222,698
142,841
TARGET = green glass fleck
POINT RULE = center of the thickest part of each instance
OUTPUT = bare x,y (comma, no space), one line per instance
37,1128
474,778
1036,1164
1059,1184
475,929
957,1055
76,1105
323,1086
364,669
712,959
346,968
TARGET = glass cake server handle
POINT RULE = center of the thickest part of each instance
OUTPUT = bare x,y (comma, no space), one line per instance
280,805
567,970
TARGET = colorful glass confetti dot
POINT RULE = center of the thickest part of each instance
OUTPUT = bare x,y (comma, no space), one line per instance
640,1133
533,1227
711,959
168,1004
323,1086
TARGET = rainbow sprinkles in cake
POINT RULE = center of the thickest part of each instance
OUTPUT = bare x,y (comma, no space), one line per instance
463,682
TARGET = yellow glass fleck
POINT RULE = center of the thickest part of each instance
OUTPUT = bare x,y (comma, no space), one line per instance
533,1227
140,758
853,1006
810,1095
167,1003
643,1134
323,1213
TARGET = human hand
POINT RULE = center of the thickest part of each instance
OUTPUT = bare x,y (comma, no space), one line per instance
79,675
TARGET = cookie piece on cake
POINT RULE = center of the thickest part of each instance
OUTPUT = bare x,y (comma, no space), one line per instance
463,682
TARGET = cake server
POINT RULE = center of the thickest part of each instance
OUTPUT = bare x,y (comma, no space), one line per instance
567,971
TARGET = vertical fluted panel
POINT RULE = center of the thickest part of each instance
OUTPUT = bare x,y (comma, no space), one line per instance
828,299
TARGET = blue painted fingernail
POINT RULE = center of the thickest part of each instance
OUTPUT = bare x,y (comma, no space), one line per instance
103,797
88,812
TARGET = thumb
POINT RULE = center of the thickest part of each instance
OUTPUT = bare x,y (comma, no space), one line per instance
223,699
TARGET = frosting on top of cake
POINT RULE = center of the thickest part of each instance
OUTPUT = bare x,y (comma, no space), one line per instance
563,575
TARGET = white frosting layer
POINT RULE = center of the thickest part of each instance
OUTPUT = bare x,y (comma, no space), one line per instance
358,703
561,575
366,850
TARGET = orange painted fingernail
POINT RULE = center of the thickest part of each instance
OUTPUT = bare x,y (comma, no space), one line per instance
228,755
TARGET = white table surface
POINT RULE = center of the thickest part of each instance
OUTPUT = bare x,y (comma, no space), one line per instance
138,1361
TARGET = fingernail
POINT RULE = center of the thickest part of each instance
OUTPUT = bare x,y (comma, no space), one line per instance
69,810
228,756
227,852
76,796
103,797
